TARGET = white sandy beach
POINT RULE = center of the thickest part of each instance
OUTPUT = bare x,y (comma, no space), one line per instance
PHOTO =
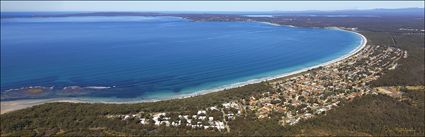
7,106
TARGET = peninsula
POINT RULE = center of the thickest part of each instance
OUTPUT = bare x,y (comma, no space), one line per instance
381,77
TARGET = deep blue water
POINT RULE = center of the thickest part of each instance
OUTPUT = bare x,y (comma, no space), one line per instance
149,57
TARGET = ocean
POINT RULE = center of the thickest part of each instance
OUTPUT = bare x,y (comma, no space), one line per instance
148,58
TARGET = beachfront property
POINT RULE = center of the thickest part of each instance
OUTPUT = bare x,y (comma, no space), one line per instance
313,93
297,98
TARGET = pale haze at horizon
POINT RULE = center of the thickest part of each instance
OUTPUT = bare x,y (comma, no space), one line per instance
11,6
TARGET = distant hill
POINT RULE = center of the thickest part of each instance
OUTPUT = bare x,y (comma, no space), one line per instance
417,12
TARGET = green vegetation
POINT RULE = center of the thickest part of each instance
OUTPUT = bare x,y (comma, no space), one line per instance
88,119
376,115
411,69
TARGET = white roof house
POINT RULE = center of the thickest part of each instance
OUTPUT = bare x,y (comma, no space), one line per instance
143,121
126,117
202,112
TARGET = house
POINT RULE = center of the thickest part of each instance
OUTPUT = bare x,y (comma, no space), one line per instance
143,121
219,125
201,112
126,117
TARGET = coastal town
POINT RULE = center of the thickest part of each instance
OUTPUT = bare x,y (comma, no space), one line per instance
192,69
315,92
294,98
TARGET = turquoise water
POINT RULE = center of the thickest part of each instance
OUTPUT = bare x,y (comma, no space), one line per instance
155,57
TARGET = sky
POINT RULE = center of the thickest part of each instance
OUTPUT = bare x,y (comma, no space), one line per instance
201,5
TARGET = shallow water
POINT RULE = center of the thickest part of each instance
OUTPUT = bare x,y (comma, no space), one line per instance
153,57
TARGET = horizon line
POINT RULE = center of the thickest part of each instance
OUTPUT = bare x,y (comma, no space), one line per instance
228,10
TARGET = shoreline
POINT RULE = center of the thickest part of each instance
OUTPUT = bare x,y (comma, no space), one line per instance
8,106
